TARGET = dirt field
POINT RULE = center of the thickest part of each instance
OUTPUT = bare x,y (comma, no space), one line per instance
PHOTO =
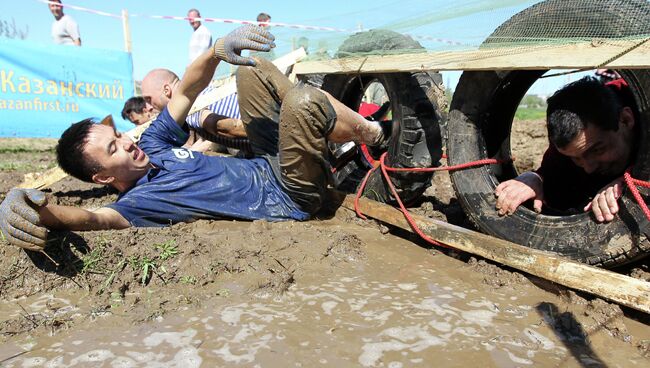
333,291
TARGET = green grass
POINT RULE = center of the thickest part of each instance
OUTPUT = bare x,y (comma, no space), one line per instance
167,249
530,114
21,149
189,280
25,166
148,266
19,145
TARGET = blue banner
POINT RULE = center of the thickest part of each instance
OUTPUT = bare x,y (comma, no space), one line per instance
45,88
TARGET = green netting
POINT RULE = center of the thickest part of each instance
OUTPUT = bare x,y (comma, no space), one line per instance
473,25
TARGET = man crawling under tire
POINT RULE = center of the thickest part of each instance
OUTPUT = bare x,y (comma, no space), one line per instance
162,183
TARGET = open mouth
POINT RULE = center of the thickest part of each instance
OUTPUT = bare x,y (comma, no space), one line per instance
137,153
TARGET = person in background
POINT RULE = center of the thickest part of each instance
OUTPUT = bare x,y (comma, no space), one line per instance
262,20
220,118
138,111
65,31
304,43
218,122
201,39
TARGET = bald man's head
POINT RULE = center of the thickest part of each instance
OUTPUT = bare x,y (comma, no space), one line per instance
158,86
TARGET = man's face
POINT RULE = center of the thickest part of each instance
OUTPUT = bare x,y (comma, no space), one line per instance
56,9
156,95
194,23
603,152
266,21
140,118
120,158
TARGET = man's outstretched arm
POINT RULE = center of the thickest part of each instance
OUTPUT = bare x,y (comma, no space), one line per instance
57,217
26,217
199,74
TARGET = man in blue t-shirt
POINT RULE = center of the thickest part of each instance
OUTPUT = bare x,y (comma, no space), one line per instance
162,183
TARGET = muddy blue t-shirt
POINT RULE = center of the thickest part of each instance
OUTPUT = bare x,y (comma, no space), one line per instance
187,185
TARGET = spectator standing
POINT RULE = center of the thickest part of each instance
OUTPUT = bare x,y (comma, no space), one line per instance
262,20
65,31
201,39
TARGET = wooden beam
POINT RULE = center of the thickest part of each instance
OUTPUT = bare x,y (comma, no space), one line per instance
585,55
126,29
606,284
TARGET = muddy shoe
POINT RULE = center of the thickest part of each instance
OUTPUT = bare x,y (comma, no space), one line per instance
377,150
342,153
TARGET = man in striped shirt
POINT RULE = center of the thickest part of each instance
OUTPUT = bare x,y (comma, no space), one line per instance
220,119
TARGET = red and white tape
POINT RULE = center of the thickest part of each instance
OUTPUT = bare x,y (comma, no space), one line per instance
244,22
98,12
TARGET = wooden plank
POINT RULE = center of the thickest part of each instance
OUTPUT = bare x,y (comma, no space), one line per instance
126,29
609,285
43,180
588,55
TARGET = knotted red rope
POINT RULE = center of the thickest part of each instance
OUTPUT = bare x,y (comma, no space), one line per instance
385,169
632,184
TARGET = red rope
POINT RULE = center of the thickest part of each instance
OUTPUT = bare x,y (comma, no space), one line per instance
632,186
631,182
385,169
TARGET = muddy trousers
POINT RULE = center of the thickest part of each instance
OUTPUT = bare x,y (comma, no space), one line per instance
288,124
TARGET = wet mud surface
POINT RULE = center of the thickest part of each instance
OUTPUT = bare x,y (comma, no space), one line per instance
335,291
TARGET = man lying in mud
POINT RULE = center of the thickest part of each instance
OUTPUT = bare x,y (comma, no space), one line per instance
162,183
593,140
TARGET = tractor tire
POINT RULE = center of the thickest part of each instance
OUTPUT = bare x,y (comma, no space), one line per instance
417,101
480,121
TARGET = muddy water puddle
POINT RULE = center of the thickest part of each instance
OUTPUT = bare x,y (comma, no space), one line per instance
397,306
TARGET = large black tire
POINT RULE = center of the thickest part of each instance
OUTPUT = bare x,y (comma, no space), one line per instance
416,102
480,121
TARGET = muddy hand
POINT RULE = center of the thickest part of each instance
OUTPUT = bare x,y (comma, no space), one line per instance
19,221
248,37
605,204
512,193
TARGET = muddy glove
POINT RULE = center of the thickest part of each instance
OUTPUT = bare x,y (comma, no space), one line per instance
248,37
19,221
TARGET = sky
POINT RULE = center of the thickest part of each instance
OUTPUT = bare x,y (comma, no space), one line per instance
164,42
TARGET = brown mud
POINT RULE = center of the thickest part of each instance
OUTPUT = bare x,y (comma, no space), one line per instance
333,291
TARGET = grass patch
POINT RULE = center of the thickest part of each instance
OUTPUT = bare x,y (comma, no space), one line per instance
147,266
530,114
167,249
11,166
19,145
22,149
188,280
25,166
